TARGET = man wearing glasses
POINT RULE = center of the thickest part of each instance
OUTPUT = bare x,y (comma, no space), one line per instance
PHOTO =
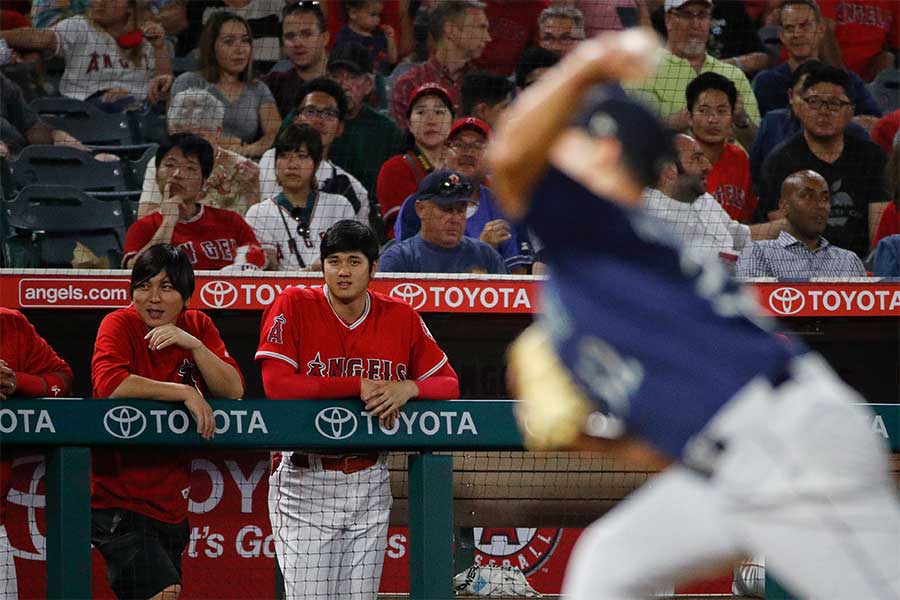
304,36
854,168
560,28
687,24
443,202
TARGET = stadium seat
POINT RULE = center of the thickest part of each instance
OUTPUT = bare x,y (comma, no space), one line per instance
63,165
886,90
84,121
47,222
149,127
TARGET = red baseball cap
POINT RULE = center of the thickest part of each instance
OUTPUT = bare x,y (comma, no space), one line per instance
429,89
473,123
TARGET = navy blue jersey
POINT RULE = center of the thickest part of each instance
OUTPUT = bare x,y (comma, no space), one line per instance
654,335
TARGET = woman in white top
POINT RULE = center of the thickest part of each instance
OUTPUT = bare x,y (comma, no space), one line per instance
234,182
113,54
289,226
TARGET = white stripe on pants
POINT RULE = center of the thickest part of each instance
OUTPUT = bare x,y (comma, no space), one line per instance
330,530
803,480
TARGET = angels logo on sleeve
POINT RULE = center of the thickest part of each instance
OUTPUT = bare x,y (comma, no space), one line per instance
276,331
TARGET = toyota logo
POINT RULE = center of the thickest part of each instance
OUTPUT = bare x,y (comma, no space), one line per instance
411,293
124,422
787,301
336,423
219,294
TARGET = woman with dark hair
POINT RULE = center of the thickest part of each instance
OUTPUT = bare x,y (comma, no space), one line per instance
156,349
430,116
114,55
889,224
251,116
290,224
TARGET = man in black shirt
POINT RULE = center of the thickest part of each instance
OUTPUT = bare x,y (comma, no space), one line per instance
20,125
853,168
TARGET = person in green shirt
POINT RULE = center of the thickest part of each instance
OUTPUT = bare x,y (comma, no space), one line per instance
369,137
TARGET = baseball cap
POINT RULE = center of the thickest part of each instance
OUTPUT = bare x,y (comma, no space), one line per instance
472,123
445,187
426,89
673,4
646,143
350,56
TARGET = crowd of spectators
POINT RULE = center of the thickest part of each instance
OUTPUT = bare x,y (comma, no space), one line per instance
380,111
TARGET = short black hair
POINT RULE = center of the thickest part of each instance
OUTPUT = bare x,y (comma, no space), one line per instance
532,60
296,136
326,85
483,86
710,81
190,145
311,7
164,257
805,68
810,4
350,236
828,74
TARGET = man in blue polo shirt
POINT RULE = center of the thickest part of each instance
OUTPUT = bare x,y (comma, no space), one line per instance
443,201
769,452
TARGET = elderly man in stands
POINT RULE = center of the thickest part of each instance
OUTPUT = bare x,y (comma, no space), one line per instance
234,183
460,31
694,216
560,28
802,32
853,168
443,203
800,252
687,24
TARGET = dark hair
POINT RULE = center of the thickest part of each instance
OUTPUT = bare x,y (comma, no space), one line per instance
349,5
164,257
804,68
532,60
209,66
810,4
326,86
486,87
349,236
309,7
710,81
297,136
828,74
190,145
446,11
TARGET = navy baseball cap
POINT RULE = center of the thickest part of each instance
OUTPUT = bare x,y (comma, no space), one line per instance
351,56
646,143
445,187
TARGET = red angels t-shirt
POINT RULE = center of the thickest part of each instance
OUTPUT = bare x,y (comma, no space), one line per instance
729,182
153,482
27,352
862,29
388,342
213,239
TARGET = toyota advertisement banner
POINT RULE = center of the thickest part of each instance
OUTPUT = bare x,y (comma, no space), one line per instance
449,295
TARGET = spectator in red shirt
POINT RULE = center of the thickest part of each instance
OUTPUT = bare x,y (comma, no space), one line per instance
430,116
212,238
885,130
155,349
889,224
867,33
711,100
514,27
460,33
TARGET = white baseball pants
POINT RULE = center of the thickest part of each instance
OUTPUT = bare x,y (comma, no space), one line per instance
802,480
330,530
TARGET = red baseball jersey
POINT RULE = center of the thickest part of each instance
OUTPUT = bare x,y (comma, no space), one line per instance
213,239
388,342
729,181
27,352
154,482
862,29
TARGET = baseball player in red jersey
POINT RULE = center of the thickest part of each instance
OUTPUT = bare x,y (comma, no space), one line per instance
330,513
29,368
159,350
212,238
